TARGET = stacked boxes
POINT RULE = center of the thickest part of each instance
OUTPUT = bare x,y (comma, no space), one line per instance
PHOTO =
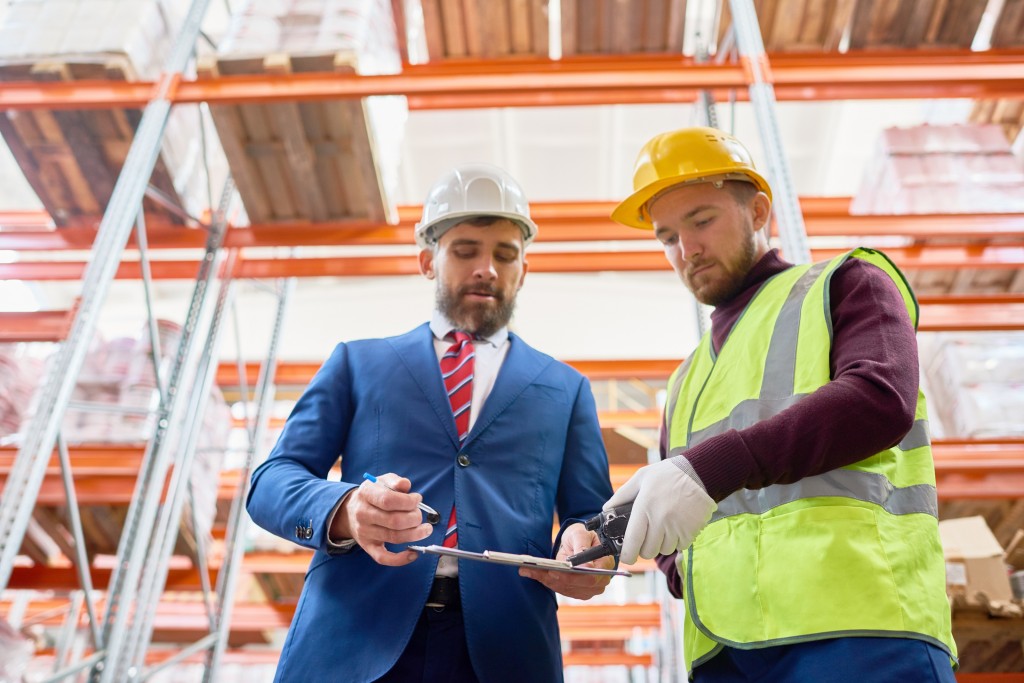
975,383
304,27
115,395
139,31
19,370
314,160
942,169
72,158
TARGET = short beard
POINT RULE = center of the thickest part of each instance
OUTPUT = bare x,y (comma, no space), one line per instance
481,320
728,289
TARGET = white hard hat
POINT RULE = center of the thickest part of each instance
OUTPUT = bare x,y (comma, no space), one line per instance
470,191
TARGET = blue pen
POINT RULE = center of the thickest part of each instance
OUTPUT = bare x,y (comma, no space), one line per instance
432,515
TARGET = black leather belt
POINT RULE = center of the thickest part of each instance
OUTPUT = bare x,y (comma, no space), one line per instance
444,593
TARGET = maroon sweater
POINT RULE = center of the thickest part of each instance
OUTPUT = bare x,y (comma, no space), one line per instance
867,407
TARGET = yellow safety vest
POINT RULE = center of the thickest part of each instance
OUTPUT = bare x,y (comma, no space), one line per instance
851,552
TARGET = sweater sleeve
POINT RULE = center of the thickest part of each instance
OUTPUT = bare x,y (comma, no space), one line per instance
868,406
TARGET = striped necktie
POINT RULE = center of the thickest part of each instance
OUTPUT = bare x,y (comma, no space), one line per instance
457,372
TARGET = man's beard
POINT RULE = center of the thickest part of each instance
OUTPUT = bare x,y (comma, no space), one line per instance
480,318
731,282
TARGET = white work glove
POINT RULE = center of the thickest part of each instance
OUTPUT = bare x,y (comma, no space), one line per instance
669,509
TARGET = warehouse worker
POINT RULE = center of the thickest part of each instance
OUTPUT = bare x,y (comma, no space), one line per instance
794,508
464,417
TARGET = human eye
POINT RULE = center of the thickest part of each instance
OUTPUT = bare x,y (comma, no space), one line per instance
704,221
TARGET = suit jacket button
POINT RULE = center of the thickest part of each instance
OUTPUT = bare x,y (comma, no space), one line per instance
309,532
463,460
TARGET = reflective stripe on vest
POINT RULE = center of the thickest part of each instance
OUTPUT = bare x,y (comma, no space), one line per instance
897,483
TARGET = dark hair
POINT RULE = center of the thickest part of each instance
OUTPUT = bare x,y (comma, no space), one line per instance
741,190
483,221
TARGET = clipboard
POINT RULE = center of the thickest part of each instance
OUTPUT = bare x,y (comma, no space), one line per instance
514,560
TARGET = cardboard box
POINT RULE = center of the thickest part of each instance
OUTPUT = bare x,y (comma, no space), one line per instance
974,561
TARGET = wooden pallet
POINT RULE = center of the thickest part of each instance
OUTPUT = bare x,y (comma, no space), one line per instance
915,23
283,588
933,281
622,26
309,161
71,158
1009,25
485,28
1007,113
101,528
797,25
988,644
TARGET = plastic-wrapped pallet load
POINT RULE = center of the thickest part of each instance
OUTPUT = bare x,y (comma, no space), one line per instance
71,158
15,652
942,169
114,396
976,383
20,369
316,161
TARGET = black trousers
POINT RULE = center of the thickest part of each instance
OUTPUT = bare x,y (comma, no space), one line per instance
436,653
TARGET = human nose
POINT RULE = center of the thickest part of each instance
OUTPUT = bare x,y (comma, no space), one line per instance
485,268
690,248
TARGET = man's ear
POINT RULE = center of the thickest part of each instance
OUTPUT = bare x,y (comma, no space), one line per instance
426,260
762,208
522,278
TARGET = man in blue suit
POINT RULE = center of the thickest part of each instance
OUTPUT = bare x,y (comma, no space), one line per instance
531,449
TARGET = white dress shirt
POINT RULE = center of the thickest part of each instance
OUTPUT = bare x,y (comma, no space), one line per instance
488,355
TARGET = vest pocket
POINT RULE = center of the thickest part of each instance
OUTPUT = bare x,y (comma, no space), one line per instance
797,571
836,567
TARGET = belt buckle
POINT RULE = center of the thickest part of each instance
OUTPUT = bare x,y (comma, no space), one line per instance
440,595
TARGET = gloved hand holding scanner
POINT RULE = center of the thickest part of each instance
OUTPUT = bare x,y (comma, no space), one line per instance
669,508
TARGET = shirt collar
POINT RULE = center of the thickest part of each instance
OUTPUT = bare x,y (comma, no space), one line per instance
441,326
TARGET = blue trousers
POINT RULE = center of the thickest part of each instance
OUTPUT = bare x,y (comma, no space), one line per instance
436,653
837,660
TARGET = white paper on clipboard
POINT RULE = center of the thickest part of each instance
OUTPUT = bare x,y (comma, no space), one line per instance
515,560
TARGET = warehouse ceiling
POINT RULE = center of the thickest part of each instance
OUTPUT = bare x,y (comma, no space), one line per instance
559,154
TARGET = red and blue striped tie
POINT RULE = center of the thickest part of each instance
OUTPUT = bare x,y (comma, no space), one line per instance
457,372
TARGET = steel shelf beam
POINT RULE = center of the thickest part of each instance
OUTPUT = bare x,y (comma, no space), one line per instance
614,79
1009,255
559,221
38,326
250,656
105,475
292,373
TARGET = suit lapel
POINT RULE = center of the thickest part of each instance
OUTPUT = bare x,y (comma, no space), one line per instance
521,367
416,351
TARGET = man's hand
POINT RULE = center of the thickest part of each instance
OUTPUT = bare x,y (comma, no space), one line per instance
582,586
373,516
669,510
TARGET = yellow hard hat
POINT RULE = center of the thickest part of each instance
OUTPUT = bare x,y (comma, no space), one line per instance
689,155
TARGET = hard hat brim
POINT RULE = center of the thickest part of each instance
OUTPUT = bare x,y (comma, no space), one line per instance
429,234
630,211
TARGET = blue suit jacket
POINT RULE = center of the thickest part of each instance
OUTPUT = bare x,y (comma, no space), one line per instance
380,404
